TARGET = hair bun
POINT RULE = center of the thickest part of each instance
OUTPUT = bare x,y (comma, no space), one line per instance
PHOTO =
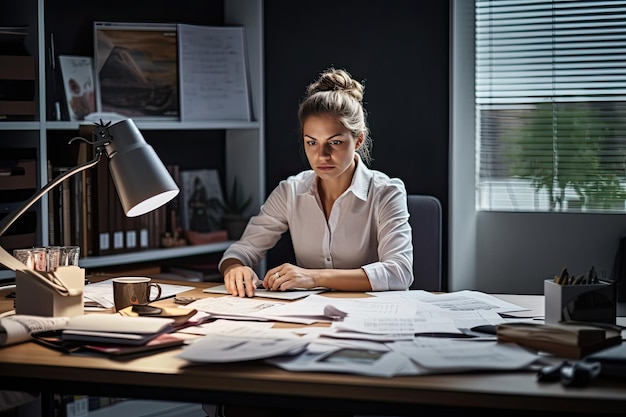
337,80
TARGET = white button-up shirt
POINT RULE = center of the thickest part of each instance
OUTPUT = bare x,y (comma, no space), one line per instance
368,228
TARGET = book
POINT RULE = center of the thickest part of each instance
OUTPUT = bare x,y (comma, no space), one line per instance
116,218
161,342
199,190
17,75
62,199
115,329
96,181
573,341
198,272
78,83
54,340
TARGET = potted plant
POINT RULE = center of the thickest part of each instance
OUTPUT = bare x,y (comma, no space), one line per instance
233,208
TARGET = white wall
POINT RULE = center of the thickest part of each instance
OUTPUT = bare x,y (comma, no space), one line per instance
508,252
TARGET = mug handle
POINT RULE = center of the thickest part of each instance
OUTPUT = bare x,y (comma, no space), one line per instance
158,287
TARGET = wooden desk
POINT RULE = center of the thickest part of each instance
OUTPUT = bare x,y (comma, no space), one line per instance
162,376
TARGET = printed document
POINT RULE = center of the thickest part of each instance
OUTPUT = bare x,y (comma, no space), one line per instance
243,343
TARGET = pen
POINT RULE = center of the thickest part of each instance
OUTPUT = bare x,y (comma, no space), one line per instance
562,278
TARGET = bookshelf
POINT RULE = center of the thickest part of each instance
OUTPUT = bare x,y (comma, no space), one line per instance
235,148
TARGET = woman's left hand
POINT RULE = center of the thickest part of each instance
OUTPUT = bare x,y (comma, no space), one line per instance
289,277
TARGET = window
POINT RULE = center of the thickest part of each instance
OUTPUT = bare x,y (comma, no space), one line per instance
551,105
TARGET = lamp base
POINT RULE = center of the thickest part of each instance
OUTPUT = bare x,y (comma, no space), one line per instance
34,297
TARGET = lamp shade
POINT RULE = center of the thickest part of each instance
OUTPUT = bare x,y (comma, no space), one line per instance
141,180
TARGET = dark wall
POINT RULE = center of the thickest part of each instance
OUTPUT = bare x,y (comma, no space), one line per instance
400,49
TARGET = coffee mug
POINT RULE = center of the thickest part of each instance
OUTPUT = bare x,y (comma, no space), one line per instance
129,291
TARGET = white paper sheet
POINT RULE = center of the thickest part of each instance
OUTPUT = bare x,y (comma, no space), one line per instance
442,355
426,322
319,306
464,300
262,292
351,361
243,344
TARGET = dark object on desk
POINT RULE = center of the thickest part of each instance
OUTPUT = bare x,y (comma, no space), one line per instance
612,360
571,374
182,300
180,316
566,340
579,374
146,310
619,270
551,373
485,328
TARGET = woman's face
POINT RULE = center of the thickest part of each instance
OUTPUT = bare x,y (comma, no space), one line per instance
329,146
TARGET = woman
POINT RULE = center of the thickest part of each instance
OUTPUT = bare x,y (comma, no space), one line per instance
348,224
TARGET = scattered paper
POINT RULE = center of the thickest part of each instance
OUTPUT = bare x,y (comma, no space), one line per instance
222,326
262,292
243,344
442,355
420,323
351,361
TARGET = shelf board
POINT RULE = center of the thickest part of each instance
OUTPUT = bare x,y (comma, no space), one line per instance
148,125
140,256
19,125
168,125
152,255
7,275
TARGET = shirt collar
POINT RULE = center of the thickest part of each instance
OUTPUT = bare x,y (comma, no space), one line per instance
361,179
359,186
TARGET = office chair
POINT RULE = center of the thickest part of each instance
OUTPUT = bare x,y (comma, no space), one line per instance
425,220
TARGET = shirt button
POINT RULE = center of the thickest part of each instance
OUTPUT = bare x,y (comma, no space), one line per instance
327,259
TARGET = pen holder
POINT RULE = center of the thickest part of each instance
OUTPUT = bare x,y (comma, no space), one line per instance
34,297
583,302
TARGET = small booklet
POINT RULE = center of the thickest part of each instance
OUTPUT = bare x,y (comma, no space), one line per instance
53,339
115,329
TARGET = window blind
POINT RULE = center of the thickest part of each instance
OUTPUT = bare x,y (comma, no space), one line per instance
551,105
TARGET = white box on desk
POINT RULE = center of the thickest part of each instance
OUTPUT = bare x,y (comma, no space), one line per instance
579,302
35,297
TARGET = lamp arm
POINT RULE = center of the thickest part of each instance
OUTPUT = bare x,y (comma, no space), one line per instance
8,221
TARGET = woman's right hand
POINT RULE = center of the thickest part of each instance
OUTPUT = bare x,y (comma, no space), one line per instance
240,280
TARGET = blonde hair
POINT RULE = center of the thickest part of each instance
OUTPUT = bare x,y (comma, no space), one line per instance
336,93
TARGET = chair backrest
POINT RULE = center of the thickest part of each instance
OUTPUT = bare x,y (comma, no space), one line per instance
425,220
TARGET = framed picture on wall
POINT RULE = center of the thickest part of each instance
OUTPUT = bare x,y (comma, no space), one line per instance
200,189
78,84
136,67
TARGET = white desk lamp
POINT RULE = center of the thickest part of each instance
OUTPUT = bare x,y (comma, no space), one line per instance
141,180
